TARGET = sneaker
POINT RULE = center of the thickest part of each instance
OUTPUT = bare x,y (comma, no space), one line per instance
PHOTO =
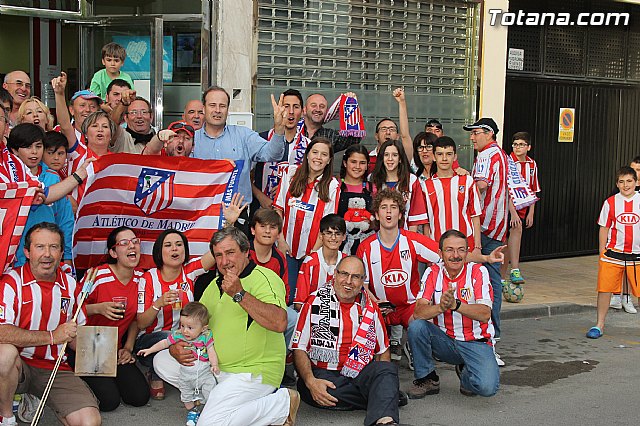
28,407
499,360
409,355
504,283
463,390
516,277
423,387
616,301
8,421
396,350
192,417
627,304
294,404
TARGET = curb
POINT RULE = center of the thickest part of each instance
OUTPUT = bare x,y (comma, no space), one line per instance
541,310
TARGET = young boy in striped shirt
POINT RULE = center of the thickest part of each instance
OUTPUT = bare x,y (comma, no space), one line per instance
619,245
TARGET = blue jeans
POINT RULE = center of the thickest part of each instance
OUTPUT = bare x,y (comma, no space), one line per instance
488,245
480,374
145,341
293,267
292,320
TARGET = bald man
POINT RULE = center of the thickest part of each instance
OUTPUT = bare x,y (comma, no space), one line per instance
18,84
194,113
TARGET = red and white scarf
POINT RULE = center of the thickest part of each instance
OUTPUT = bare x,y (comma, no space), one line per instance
348,111
519,190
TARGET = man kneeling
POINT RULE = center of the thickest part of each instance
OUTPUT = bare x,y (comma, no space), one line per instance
341,349
36,319
453,323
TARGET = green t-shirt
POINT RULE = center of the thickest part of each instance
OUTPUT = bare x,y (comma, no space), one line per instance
101,81
243,345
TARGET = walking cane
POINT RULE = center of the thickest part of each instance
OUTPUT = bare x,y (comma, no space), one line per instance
91,276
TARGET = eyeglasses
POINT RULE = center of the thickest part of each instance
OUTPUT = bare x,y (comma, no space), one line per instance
346,275
126,241
331,234
478,132
519,145
184,126
451,250
387,129
425,147
139,112
20,83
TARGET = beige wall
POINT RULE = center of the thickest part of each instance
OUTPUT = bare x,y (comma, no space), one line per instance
235,54
493,67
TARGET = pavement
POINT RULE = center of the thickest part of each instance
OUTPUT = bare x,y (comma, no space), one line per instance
554,375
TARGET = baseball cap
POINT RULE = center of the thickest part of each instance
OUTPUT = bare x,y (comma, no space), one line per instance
86,94
483,123
181,125
434,123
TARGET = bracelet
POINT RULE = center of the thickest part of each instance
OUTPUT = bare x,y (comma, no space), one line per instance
154,307
77,178
51,335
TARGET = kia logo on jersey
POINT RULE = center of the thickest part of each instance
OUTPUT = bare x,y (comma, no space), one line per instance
394,278
627,218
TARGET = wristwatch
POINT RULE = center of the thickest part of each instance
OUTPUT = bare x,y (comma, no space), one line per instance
458,303
239,296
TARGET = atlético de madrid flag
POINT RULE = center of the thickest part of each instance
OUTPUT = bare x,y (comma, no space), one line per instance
15,202
150,194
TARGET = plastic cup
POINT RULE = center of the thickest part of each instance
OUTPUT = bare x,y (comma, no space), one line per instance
122,300
177,305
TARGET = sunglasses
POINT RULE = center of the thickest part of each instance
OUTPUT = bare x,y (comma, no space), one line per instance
179,126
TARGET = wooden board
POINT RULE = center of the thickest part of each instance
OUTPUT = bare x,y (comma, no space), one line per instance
97,351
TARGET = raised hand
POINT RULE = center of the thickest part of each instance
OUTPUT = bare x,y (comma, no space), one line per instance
398,95
279,114
234,209
59,83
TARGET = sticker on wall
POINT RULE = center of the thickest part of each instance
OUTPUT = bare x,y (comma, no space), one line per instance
566,124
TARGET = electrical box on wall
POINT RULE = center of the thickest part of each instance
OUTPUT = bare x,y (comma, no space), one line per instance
241,119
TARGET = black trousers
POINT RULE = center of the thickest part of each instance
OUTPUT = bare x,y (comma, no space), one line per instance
129,385
375,389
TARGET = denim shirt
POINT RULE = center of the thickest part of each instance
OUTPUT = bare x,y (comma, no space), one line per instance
238,143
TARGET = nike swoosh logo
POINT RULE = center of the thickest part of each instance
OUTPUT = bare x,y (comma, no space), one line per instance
437,291
25,302
373,263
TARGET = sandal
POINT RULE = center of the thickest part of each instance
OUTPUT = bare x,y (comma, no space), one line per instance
156,393
594,333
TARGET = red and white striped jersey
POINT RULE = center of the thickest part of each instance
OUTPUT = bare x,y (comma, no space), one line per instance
415,209
451,203
491,167
13,169
622,216
106,286
152,287
75,157
308,333
314,272
392,273
529,171
302,214
472,286
39,306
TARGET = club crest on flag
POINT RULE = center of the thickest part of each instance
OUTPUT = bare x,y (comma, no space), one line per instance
154,191
64,304
350,107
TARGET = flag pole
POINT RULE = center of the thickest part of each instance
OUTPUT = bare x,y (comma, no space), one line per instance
88,284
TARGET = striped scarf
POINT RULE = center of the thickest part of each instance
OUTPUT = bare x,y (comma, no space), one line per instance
348,111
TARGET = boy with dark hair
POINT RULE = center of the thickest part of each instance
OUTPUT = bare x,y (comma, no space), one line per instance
619,245
266,225
113,56
55,151
26,142
317,268
529,171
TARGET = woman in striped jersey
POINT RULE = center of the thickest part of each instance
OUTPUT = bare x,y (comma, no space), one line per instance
163,291
305,196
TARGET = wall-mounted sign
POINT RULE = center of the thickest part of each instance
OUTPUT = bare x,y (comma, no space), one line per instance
567,123
515,60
